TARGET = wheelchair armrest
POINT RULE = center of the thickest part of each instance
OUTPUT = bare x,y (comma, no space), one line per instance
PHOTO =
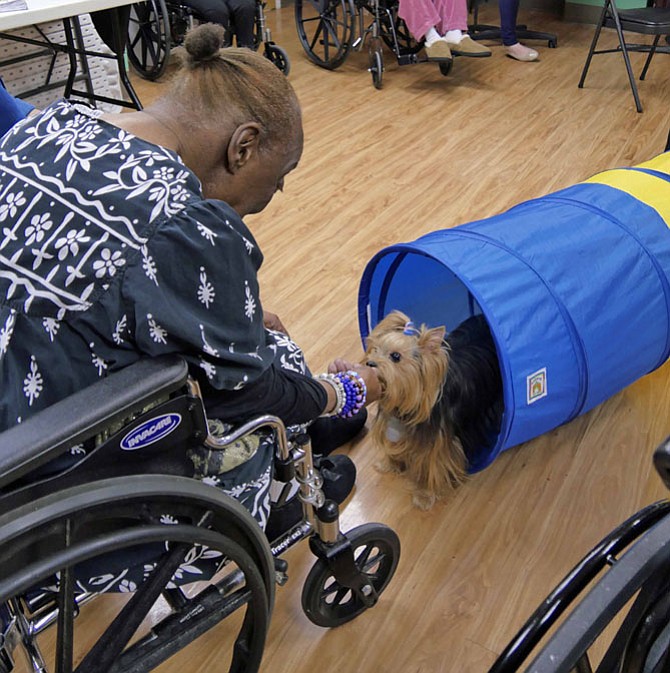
84,414
662,461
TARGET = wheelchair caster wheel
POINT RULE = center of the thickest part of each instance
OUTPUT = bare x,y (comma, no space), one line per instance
376,551
278,56
376,61
376,68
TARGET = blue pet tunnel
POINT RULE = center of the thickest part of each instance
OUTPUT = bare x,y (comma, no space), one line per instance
574,285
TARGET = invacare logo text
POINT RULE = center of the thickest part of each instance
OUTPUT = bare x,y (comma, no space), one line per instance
150,432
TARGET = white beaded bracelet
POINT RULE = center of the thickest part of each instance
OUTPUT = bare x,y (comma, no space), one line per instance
340,394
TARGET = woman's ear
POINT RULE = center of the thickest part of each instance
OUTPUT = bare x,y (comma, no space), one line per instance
242,145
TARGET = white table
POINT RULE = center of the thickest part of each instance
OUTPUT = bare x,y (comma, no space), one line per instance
67,11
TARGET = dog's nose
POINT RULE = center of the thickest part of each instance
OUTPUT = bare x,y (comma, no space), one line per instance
371,363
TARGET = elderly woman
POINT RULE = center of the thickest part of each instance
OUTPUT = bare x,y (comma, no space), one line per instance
121,237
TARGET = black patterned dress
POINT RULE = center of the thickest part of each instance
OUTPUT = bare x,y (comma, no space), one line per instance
110,253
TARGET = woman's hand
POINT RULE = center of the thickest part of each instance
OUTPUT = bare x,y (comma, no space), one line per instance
273,322
369,375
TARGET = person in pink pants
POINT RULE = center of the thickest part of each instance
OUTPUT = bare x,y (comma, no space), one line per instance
443,24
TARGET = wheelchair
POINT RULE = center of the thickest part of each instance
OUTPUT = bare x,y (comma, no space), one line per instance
329,30
133,495
623,618
155,26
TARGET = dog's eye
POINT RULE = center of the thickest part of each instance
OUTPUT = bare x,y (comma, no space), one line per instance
395,357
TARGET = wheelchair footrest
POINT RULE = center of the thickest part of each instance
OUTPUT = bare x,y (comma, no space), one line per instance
408,59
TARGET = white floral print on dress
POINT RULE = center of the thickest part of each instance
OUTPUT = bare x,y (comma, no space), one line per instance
250,302
33,384
156,332
206,291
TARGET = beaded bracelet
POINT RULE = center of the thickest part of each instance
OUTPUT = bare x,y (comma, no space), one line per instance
355,390
340,396
350,390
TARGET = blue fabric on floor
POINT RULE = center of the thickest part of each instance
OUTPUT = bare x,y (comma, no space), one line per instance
12,109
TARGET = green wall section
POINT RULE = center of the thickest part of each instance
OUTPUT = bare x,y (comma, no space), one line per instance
621,4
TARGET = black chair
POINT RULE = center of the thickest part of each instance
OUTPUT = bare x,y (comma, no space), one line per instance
482,31
641,21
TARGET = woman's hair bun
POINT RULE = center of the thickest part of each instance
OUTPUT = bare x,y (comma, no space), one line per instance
204,41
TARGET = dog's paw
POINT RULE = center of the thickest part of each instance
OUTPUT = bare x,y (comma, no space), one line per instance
423,500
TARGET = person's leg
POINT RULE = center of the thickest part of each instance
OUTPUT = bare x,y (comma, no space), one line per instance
508,12
212,11
453,15
419,15
454,25
421,18
243,19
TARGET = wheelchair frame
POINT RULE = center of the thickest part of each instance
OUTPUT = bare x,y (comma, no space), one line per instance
50,522
329,29
156,26
627,575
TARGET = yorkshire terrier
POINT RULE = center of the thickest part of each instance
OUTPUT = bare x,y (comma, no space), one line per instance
441,400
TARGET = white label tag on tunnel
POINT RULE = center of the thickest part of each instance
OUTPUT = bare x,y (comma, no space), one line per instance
536,385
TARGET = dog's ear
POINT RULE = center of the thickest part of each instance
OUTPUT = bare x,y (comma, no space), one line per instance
395,320
431,340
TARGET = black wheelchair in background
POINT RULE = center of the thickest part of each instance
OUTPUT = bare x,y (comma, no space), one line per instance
622,619
330,29
156,26
134,495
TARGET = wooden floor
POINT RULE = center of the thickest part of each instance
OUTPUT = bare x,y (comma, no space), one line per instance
380,167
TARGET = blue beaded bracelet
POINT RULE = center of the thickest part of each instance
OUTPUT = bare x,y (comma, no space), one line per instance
355,392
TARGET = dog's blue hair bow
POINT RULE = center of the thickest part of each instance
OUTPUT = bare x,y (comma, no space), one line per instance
409,328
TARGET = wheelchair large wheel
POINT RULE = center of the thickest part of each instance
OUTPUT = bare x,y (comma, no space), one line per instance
623,620
376,553
149,38
97,526
325,30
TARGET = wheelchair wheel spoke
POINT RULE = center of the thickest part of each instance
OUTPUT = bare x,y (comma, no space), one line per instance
66,613
317,34
583,665
336,594
333,33
103,654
